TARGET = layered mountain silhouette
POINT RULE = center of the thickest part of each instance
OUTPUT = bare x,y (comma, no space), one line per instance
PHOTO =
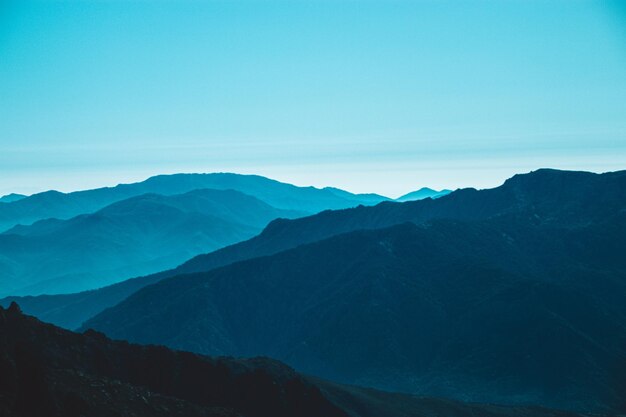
551,195
513,295
46,371
423,193
54,204
135,236
9,198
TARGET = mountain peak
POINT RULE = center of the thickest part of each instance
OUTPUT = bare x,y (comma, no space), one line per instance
422,193
9,198
14,308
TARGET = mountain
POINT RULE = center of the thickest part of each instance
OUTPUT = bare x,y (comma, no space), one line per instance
50,372
527,306
46,371
554,196
423,193
135,236
549,194
9,198
54,204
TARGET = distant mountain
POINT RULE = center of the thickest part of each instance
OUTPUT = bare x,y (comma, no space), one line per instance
53,204
9,198
550,195
423,193
366,199
136,236
73,309
45,371
520,300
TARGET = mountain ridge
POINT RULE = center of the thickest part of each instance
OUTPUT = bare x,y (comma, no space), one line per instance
71,310
534,266
423,193
9,198
141,234
404,284
54,204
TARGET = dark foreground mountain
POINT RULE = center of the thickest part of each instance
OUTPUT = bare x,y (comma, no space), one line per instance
49,372
136,236
550,195
422,193
54,204
514,310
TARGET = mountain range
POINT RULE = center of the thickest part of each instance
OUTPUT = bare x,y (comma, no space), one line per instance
512,295
46,371
520,299
139,235
551,194
54,204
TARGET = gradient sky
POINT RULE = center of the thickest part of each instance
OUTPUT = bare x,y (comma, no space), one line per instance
369,96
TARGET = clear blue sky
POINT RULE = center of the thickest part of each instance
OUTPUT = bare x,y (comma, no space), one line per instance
369,96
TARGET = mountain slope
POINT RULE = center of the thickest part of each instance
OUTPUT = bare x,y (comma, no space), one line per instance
548,194
524,307
481,312
71,310
135,236
53,204
46,371
367,402
422,193
49,372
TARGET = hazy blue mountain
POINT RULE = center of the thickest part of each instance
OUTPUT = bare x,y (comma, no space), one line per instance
54,204
73,309
423,193
9,198
520,300
132,237
45,371
548,194
366,199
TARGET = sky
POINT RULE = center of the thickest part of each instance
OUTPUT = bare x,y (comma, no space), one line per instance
369,96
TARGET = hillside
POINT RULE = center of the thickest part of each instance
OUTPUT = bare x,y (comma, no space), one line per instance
480,312
46,371
136,236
